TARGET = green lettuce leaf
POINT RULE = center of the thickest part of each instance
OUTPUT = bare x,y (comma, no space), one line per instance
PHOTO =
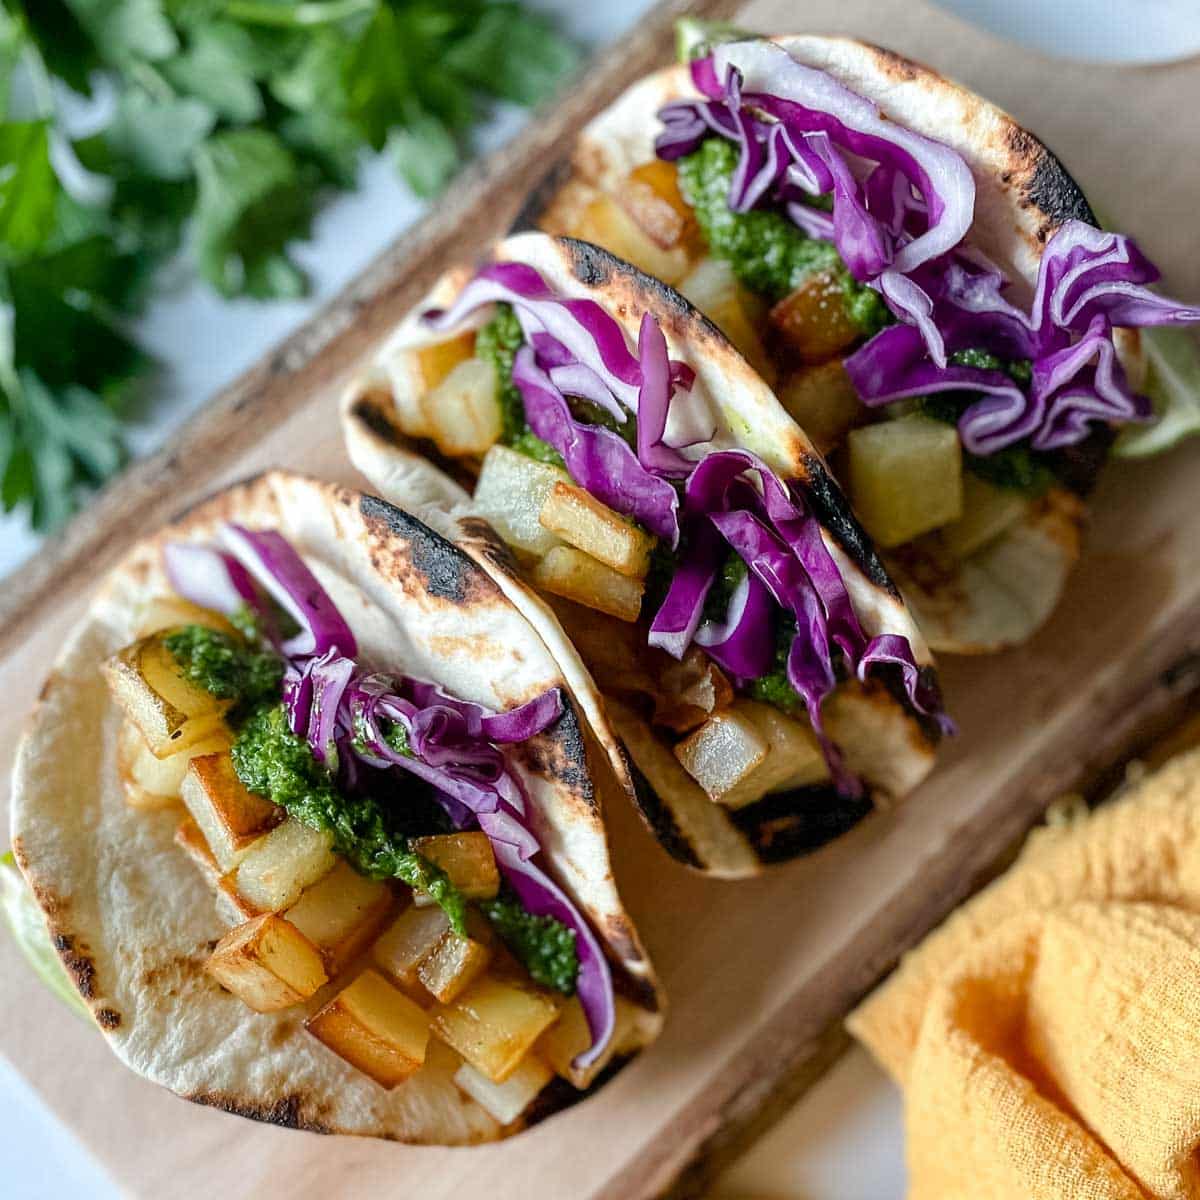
1173,383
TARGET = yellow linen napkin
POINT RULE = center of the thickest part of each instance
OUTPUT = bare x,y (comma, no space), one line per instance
1047,1036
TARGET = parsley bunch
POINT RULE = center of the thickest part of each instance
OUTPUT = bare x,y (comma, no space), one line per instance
229,119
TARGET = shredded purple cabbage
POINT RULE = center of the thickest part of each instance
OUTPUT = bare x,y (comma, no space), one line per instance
452,744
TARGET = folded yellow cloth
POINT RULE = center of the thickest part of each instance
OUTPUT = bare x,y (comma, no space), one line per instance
1047,1036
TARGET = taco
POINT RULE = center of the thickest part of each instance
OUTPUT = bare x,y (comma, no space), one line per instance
674,532
918,278
315,825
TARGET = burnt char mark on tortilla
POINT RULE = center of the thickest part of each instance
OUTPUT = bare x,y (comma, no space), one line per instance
559,1094
449,574
784,826
372,411
81,968
1050,188
1078,467
661,821
108,1019
892,678
594,267
287,1112
540,198
831,508
560,754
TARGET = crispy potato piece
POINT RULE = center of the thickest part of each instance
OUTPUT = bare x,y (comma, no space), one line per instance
453,964
823,402
375,1028
463,412
279,866
987,512
494,1023
232,908
169,612
131,750
814,321
231,818
172,713
568,572
570,1036
413,374
341,913
510,493
267,963
582,521
161,778
508,1100
467,858
714,289
652,198
905,477
605,223
410,937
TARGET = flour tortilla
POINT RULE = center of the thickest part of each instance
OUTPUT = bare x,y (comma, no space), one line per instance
729,406
130,916
1005,591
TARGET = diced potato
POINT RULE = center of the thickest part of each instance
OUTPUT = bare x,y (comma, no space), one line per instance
413,935
690,691
987,512
467,858
267,963
231,818
905,477
131,750
714,289
463,412
570,1036
494,1023
723,754
823,402
172,713
341,913
375,1028
814,321
581,520
794,757
453,965
162,777
414,373
510,493
169,612
508,1100
652,198
568,572
605,223
282,864
232,908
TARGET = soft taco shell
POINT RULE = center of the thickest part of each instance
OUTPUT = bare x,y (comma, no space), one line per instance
729,398
1023,195
132,920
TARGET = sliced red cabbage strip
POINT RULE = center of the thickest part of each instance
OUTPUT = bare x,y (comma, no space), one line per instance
452,744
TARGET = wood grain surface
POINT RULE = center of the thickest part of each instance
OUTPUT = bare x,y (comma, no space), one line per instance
759,973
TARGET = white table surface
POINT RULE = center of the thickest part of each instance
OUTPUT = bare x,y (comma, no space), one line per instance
844,1140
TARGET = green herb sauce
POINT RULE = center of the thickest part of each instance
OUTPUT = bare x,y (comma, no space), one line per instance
545,946
769,254
224,664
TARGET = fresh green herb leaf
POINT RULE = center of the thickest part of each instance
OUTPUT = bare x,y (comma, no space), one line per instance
157,136
28,187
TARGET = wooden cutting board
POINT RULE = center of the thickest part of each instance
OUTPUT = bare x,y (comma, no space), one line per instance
758,972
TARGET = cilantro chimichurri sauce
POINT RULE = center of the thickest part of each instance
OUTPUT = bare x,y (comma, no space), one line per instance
768,253
371,831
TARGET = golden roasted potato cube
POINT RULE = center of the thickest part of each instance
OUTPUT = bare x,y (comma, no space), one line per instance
170,612
410,937
581,520
160,778
414,373
453,965
375,1028
232,908
267,963
463,412
714,289
905,477
987,512
231,817
814,321
172,713
341,913
607,224
570,1036
280,865
494,1023
723,755
508,1100
823,402
652,198
510,493
577,576
689,691
466,857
